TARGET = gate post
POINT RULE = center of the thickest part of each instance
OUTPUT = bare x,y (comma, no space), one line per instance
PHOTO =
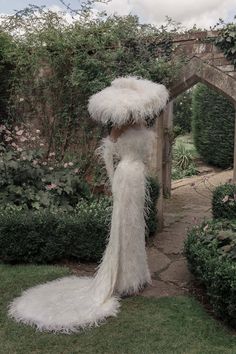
234,172
159,167
167,149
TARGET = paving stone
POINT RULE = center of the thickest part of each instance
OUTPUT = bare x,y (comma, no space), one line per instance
157,260
161,289
177,273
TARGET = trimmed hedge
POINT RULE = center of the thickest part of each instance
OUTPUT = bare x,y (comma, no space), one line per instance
211,253
224,202
48,236
44,237
213,126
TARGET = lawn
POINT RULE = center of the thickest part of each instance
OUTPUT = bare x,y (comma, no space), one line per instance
166,326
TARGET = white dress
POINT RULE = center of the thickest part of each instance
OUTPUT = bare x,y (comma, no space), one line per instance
71,303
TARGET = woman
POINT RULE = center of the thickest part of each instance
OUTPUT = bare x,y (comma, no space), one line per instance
71,303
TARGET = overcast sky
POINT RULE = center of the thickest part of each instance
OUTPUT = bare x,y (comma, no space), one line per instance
203,13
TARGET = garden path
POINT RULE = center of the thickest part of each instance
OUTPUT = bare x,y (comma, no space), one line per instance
190,203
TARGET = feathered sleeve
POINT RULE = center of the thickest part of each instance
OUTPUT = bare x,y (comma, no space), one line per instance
107,151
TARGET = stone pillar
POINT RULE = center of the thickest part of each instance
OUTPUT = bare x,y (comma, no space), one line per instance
159,167
234,172
167,149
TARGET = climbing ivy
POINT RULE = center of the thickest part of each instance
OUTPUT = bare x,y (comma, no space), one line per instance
226,41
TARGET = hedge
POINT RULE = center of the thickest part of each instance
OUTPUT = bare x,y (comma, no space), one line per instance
224,202
47,236
211,253
183,113
213,126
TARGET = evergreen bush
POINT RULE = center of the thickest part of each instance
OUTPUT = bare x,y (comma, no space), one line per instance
183,113
211,253
224,202
49,235
213,126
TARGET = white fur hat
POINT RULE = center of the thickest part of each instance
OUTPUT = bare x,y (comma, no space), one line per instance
128,99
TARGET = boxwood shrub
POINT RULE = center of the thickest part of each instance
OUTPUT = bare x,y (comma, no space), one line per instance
224,202
47,236
211,253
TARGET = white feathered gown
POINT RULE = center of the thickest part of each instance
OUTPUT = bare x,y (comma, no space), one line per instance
71,303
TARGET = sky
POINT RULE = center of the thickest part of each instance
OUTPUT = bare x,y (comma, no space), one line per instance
203,13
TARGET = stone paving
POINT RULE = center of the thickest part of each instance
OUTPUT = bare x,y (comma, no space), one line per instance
189,204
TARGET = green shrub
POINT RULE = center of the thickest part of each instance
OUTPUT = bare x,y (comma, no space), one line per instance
213,126
50,235
183,162
6,68
44,236
211,254
25,180
224,202
183,113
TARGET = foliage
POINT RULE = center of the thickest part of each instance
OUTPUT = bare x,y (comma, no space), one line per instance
6,70
45,236
213,126
211,253
58,66
183,112
183,162
27,180
226,41
224,201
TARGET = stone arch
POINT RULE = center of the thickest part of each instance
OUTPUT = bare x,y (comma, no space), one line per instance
196,70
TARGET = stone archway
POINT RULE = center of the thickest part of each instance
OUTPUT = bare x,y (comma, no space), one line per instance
204,63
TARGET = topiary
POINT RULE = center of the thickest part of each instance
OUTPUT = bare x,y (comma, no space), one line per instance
213,126
224,202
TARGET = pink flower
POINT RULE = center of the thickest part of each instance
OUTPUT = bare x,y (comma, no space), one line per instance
51,168
35,162
51,186
76,170
65,165
70,164
37,131
8,138
19,149
52,154
41,144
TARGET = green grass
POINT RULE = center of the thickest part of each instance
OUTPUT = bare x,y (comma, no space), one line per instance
156,326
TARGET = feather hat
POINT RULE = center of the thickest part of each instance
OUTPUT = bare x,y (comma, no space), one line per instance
128,100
